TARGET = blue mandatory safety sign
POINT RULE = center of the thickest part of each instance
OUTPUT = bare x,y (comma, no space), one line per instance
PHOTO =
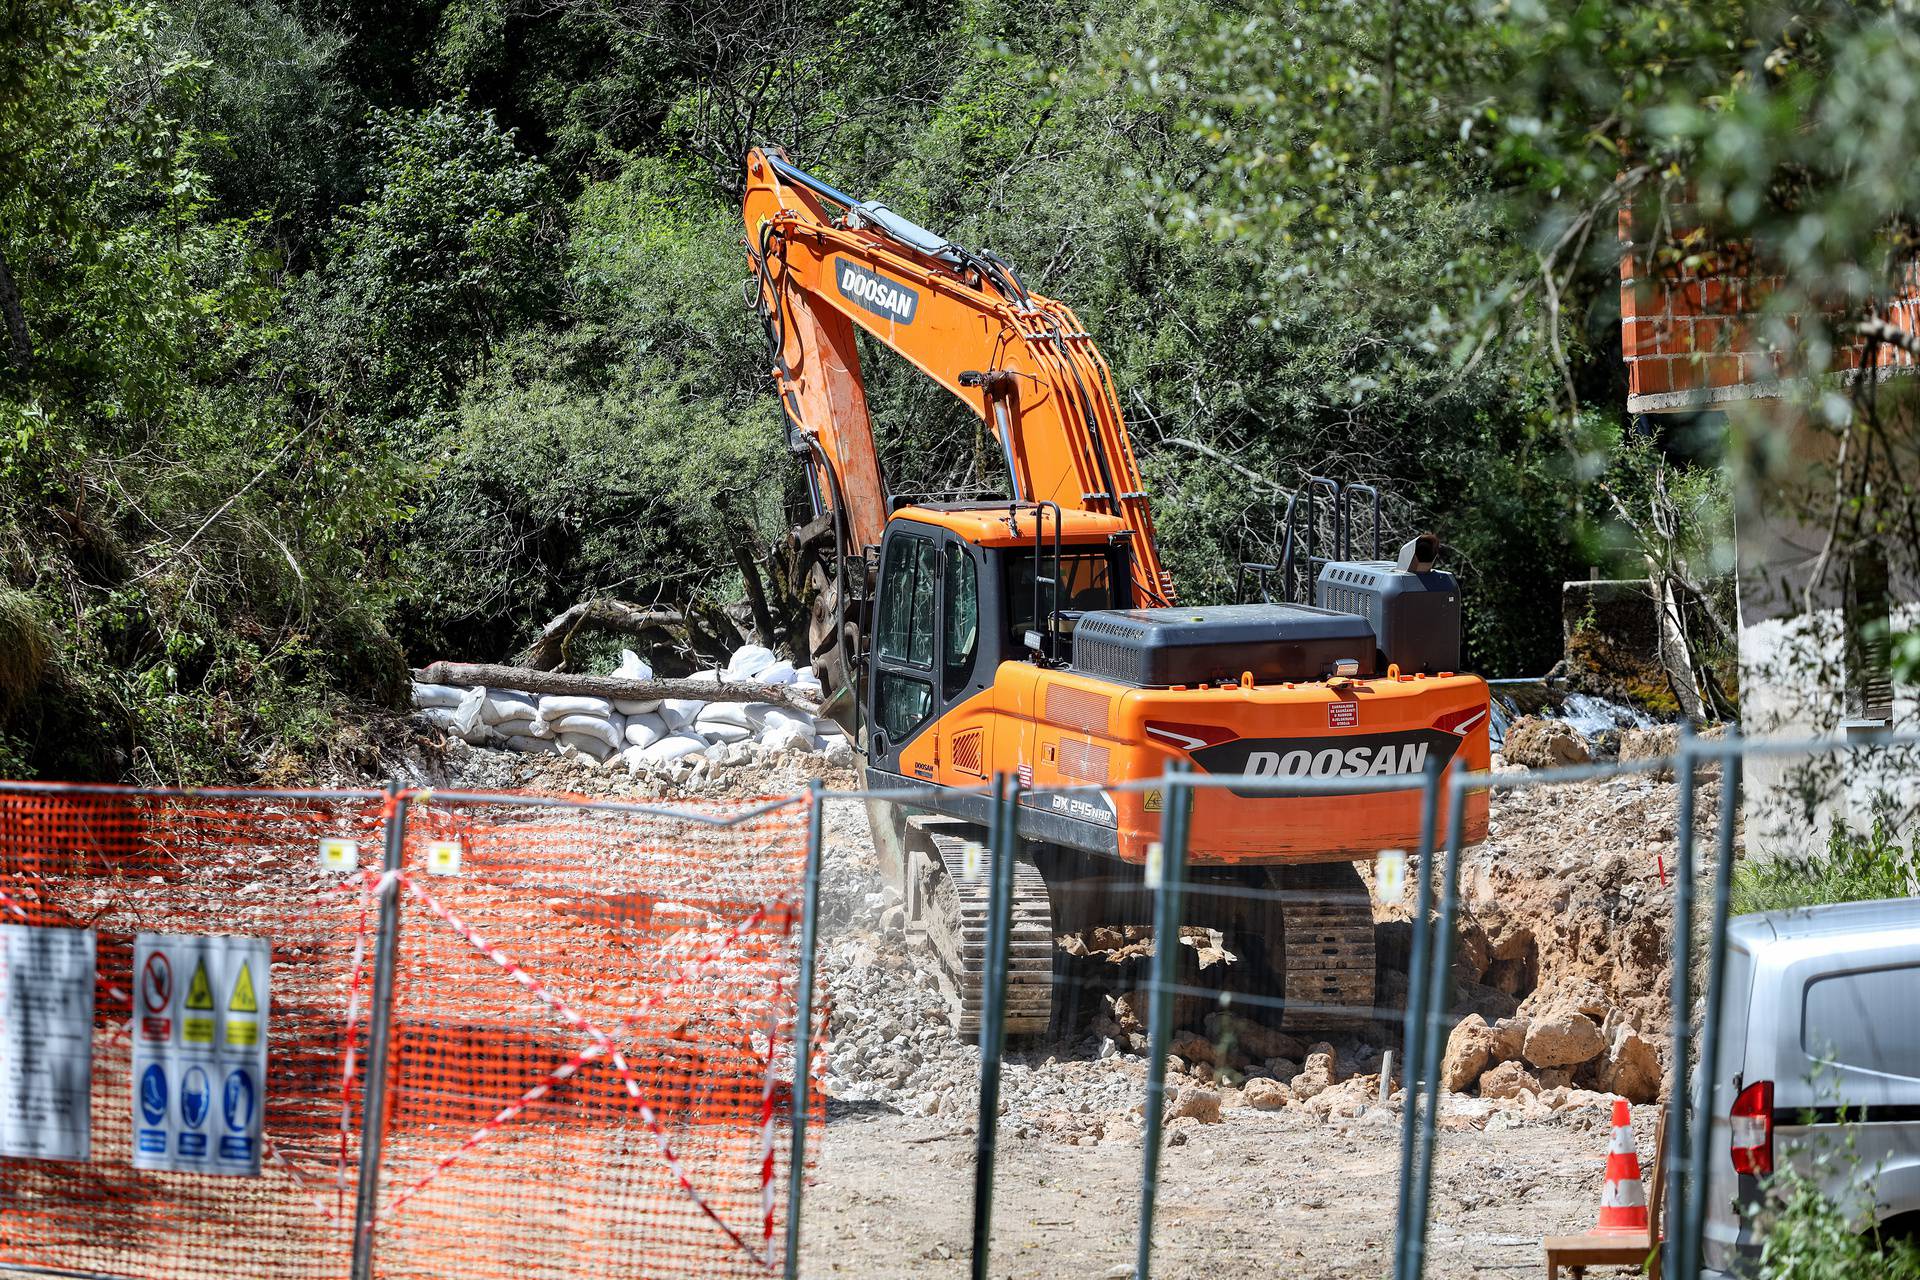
199,1080
236,1100
153,1094
196,1096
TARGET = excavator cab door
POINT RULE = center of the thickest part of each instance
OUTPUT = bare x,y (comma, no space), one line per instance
926,639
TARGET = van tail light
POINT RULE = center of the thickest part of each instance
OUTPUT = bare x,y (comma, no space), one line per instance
1752,1117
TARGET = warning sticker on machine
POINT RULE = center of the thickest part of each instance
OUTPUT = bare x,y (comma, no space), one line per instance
46,1042
1343,715
200,1060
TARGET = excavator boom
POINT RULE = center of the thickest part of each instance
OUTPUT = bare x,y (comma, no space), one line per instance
826,263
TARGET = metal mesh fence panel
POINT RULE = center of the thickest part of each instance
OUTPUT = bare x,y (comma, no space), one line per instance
592,1041
123,863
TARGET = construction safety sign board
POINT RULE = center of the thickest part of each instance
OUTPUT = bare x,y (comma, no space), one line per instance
200,1052
46,1042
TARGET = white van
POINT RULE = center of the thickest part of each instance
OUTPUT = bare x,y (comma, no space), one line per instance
1822,1015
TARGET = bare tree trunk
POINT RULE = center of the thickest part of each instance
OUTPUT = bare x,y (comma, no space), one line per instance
749,575
20,340
1676,655
528,680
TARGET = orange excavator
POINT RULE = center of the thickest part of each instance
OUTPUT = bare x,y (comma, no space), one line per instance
1038,635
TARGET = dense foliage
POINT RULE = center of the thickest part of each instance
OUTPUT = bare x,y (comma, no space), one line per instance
340,333
1856,868
1805,1235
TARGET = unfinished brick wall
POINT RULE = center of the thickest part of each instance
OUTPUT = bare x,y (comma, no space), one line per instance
1688,338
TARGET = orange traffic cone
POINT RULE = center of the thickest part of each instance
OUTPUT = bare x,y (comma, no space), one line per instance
1623,1201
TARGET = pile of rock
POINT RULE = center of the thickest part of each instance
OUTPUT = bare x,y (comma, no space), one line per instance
1541,743
1550,1049
643,733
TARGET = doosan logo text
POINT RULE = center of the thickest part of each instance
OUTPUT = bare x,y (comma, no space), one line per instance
876,293
1333,762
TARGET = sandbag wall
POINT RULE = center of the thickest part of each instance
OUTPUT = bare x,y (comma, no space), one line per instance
648,732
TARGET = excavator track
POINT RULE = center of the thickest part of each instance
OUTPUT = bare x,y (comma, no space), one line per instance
1328,942
952,910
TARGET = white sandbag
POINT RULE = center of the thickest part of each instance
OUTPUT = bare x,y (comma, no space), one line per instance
540,728
748,661
555,705
736,714
680,712
780,673
672,747
587,744
633,666
502,705
437,695
705,677
773,719
534,746
729,716
517,727
646,729
447,718
599,728
723,732
467,714
636,706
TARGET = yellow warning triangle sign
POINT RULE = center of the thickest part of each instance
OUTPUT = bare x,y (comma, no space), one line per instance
243,998
199,993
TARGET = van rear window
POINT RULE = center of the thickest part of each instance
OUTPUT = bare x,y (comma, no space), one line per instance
1865,1020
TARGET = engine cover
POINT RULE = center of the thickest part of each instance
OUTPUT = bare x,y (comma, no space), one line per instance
1161,648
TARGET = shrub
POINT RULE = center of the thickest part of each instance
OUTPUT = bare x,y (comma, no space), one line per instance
1856,869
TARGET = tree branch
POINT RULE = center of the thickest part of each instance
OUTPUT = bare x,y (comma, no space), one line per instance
1874,329
549,651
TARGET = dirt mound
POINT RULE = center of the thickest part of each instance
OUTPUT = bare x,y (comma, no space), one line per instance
1565,940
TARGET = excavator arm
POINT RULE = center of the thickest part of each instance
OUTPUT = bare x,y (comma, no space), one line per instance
825,263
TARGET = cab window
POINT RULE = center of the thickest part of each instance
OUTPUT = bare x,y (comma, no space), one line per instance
963,618
1086,584
907,595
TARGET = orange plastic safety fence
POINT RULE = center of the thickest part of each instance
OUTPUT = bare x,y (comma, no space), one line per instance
593,1039
591,1035
125,863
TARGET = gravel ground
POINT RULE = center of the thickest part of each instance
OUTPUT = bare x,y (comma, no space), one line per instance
1308,1189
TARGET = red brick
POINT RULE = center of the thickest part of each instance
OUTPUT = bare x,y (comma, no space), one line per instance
1639,338
1650,377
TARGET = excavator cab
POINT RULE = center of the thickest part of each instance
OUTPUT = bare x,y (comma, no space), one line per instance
964,587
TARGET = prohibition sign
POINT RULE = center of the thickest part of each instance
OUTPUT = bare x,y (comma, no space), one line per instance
156,982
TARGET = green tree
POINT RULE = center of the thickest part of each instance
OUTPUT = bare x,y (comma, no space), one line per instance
460,241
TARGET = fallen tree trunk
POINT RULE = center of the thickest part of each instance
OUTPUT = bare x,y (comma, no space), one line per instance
527,680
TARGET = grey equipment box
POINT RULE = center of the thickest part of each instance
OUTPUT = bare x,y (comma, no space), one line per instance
1159,648
1415,615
